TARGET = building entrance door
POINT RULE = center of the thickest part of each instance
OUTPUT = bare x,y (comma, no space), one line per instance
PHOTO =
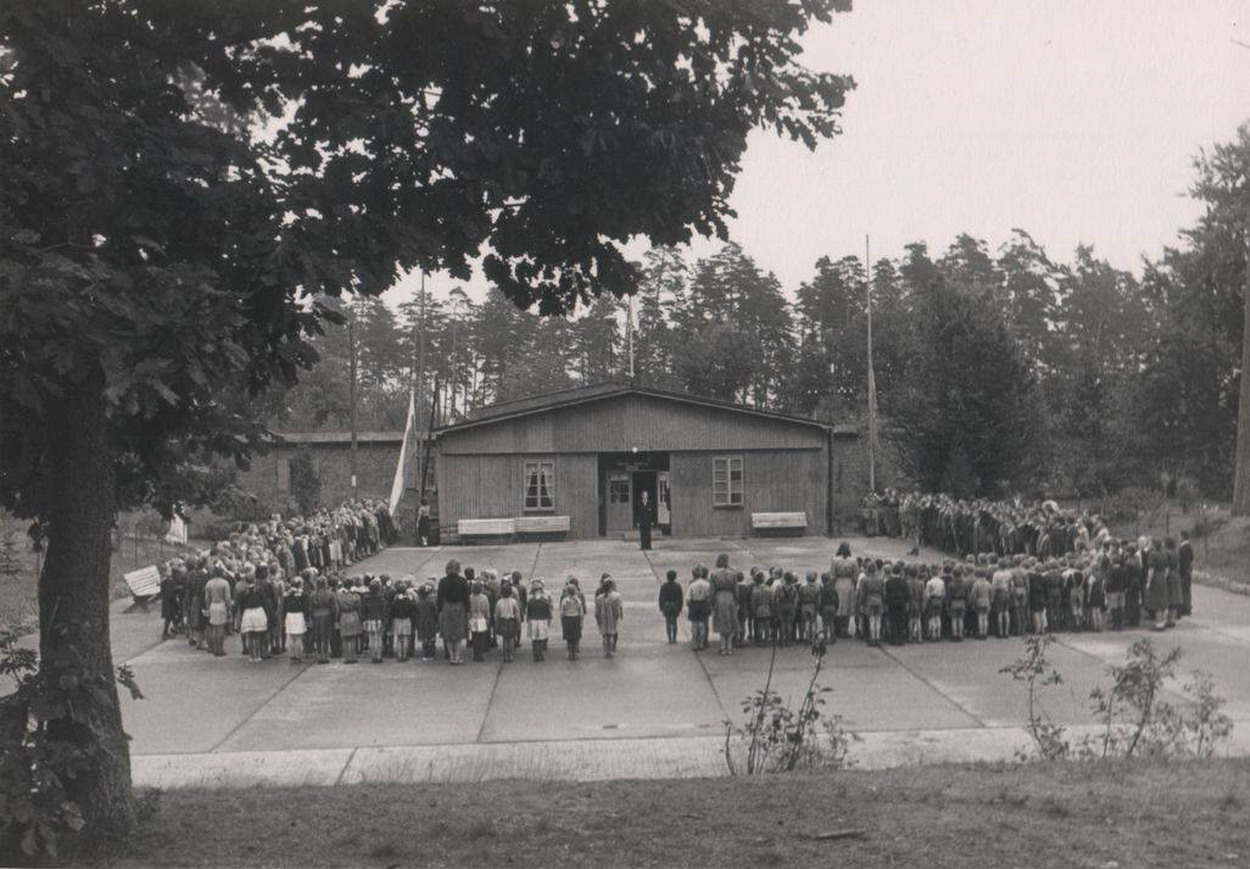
663,503
622,477
620,501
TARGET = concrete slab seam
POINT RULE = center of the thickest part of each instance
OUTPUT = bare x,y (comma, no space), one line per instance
932,687
347,764
1176,695
247,719
490,701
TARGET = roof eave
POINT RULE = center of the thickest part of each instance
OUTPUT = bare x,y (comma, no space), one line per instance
628,390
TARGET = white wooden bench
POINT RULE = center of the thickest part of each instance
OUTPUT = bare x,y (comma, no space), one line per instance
543,524
779,522
143,583
485,528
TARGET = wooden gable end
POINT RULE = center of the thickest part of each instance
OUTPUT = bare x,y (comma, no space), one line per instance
622,423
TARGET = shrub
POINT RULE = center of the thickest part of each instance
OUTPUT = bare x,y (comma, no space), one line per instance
240,505
1209,522
1187,492
1136,721
1131,503
1036,672
777,738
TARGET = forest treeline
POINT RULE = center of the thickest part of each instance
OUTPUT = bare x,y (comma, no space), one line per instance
997,370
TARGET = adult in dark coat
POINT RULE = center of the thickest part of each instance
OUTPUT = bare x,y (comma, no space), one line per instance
644,518
453,611
897,595
1135,567
1185,561
171,600
1157,585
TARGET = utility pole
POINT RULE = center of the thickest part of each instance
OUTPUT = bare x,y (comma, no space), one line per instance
629,332
872,377
419,387
351,350
420,374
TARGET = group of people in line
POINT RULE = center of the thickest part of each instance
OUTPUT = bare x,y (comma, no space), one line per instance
1041,529
283,586
1111,584
252,580
323,614
491,611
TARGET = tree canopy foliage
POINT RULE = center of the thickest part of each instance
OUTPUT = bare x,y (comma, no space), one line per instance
998,371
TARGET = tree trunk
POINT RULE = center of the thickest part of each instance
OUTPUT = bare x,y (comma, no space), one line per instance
76,663
1241,462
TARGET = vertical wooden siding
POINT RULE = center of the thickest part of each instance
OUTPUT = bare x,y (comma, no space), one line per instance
492,487
781,481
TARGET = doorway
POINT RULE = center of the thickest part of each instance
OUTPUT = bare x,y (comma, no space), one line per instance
620,507
623,477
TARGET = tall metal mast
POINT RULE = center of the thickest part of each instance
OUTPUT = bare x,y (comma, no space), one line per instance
872,378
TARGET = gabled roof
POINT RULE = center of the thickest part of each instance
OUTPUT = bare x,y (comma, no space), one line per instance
599,392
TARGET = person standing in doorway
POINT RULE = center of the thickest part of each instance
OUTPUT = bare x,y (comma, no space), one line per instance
644,518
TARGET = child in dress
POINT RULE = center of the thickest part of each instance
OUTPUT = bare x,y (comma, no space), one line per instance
608,614
479,620
572,612
293,605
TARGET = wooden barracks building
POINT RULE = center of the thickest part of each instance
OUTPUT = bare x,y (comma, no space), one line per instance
575,462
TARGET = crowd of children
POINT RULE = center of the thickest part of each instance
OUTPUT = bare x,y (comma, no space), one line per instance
324,614
1113,583
253,580
262,582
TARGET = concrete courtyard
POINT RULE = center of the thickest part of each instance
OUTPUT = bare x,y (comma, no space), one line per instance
656,710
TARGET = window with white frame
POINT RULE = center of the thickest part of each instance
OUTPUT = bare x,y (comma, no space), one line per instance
540,486
727,481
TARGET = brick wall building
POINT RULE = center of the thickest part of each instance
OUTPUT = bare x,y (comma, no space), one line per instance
376,455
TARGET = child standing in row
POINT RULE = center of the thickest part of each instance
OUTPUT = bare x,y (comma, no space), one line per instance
538,619
572,612
427,621
507,621
608,614
479,620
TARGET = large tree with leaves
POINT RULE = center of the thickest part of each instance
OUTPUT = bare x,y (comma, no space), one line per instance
1218,263
155,249
966,415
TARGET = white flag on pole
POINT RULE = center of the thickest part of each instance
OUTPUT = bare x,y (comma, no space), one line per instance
397,485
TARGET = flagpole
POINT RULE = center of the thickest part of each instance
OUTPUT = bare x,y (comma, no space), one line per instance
629,332
872,378
351,346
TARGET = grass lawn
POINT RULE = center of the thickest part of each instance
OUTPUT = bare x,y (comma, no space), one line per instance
1225,552
19,609
1040,815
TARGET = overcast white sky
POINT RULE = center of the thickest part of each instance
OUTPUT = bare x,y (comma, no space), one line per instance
1076,120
